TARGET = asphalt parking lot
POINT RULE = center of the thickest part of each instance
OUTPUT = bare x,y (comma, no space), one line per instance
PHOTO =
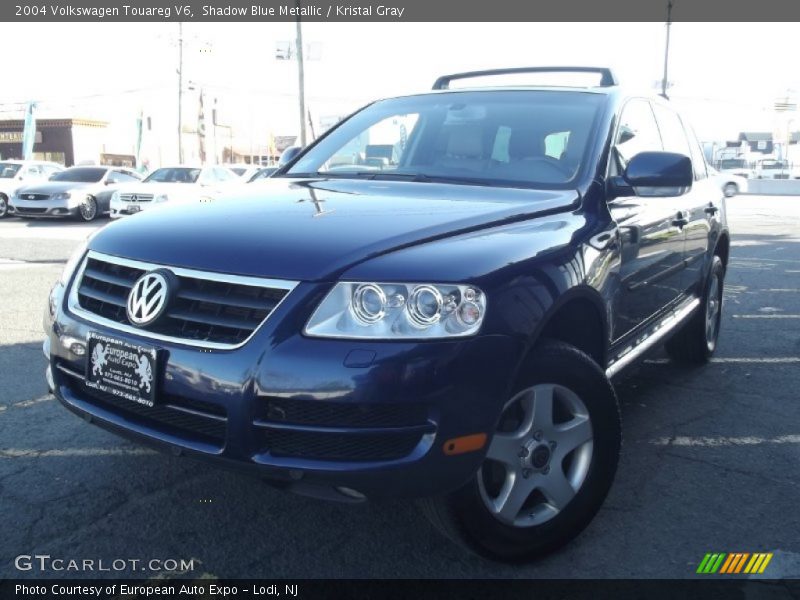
710,462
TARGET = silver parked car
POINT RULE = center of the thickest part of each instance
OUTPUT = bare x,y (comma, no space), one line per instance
82,192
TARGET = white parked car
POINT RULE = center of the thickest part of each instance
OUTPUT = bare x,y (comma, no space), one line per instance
179,184
770,168
736,166
16,173
730,183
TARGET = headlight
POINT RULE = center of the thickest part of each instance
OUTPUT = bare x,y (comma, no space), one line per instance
160,198
74,261
115,197
61,196
398,311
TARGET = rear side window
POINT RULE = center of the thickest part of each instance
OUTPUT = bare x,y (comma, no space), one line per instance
637,132
698,159
675,138
672,131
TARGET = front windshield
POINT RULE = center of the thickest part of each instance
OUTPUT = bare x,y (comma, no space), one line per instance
80,174
174,175
517,137
732,163
9,170
263,173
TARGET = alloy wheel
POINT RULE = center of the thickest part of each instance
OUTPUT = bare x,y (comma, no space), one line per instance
88,209
539,456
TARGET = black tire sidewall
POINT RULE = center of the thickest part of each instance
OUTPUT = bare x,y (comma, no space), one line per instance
718,268
4,207
563,365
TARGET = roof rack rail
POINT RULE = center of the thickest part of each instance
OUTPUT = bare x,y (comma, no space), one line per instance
607,78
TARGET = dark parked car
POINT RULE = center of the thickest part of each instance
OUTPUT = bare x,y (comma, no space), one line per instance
444,325
82,192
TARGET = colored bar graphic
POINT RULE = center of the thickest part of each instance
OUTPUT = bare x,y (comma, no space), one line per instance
734,563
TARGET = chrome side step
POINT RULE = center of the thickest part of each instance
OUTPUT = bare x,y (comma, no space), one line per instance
642,345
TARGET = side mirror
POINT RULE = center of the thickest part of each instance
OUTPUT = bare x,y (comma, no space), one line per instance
659,174
52,177
289,155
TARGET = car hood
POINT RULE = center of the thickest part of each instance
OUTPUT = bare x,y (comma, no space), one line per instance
54,187
314,230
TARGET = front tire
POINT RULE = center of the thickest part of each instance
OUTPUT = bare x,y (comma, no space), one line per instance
3,206
87,211
696,341
549,464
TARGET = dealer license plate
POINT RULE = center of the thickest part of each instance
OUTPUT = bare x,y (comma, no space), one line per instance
122,369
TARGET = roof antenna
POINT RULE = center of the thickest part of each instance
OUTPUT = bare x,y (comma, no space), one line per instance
666,51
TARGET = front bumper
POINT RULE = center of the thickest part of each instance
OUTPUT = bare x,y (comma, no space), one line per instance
120,209
310,414
44,208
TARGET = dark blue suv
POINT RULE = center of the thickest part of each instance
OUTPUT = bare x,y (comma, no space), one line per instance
430,301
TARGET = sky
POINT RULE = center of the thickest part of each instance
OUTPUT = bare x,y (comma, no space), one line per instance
726,76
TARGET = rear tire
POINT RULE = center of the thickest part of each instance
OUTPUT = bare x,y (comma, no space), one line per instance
578,445
696,341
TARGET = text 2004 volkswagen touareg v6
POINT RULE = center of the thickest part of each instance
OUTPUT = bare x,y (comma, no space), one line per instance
428,302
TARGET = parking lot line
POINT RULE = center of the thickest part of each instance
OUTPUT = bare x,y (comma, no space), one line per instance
766,316
73,452
683,440
779,360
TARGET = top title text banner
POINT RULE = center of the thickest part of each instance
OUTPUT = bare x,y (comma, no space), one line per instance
397,10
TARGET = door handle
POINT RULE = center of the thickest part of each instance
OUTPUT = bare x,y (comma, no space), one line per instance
680,220
711,209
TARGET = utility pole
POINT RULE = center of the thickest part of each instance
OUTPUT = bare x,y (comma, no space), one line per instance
666,50
301,77
180,92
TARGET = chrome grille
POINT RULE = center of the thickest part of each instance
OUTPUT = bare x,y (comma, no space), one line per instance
136,197
207,309
25,196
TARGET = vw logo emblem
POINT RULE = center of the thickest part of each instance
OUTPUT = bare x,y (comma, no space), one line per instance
31,197
148,298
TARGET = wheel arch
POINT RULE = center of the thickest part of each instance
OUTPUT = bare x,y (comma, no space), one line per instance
579,318
723,248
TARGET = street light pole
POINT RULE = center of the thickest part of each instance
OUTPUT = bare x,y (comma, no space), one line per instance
301,77
666,50
180,92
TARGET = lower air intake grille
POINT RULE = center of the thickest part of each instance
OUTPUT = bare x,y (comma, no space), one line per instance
344,447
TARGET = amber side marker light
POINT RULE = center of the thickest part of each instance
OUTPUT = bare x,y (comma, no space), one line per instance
465,443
